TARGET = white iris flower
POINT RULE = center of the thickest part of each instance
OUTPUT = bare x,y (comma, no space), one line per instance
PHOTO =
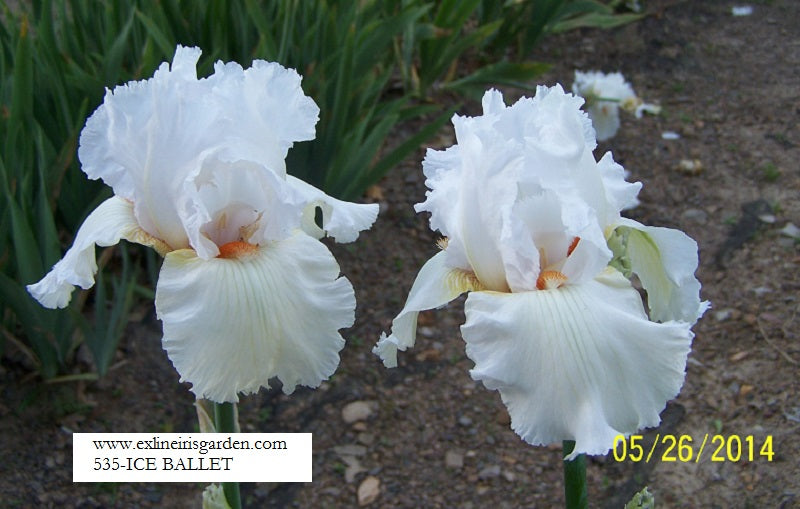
246,291
534,233
605,94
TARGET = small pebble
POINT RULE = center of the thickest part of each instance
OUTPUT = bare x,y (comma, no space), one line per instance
454,459
356,411
692,167
366,438
369,490
427,332
695,216
790,230
723,314
352,469
489,472
350,450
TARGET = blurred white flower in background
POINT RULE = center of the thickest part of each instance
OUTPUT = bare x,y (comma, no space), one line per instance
605,94
246,291
742,10
534,233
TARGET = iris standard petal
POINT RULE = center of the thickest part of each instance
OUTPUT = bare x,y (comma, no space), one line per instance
150,138
267,99
487,193
111,221
619,193
231,324
342,220
146,139
577,363
264,111
436,285
665,261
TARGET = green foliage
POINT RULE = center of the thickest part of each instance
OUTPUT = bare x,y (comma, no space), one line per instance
44,100
524,23
770,172
344,51
429,52
641,500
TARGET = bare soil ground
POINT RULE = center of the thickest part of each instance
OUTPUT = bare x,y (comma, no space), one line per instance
730,87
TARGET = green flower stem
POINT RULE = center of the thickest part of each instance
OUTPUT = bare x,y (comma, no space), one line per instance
225,422
575,479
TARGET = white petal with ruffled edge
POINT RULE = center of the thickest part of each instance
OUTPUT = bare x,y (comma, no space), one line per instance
148,136
151,138
110,222
267,109
665,261
232,324
436,285
342,220
487,192
577,363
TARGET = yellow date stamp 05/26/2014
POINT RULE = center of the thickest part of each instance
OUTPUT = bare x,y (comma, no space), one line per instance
685,448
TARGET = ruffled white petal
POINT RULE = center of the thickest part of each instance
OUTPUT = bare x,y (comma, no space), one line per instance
111,221
232,324
665,261
267,108
341,220
480,210
151,138
619,193
146,139
436,285
519,187
577,363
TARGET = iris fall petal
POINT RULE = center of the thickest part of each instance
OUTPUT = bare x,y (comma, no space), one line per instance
110,222
579,363
274,312
436,285
341,220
